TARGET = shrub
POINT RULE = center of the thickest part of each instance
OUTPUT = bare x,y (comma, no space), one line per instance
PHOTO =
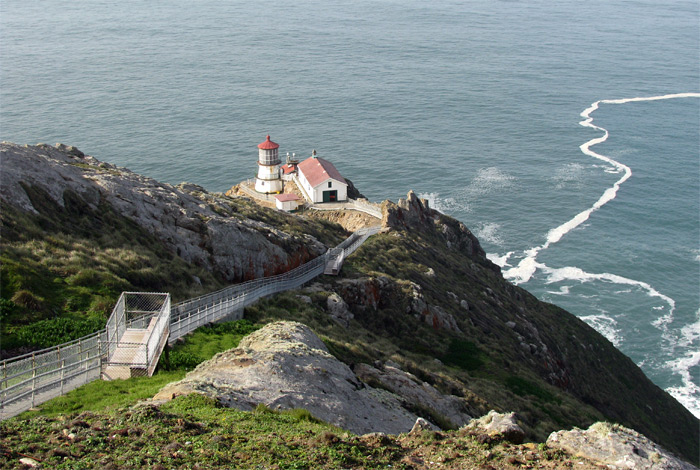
26,299
463,354
47,333
183,360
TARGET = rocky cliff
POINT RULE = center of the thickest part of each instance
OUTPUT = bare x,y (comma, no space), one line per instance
417,304
200,227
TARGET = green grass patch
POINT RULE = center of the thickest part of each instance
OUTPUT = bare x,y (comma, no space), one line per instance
104,395
204,342
524,387
463,354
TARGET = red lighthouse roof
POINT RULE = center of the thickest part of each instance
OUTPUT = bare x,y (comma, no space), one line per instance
268,144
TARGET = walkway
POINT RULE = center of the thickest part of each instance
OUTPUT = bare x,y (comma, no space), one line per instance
31,379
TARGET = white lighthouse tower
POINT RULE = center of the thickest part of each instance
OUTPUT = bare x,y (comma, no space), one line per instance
268,180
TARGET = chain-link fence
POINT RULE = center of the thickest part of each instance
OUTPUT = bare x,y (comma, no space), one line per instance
31,379
139,345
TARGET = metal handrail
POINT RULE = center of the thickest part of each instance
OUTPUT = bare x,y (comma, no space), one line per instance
184,318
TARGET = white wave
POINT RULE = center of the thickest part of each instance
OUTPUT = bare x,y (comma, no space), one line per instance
489,232
563,290
488,180
688,393
568,175
443,205
499,261
571,273
528,265
606,326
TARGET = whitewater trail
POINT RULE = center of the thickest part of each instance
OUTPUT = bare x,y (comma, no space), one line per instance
528,265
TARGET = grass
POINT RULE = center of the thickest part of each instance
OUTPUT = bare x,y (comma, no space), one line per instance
194,432
199,346
107,395
204,342
61,271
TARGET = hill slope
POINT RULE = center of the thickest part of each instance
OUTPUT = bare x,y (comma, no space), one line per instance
420,297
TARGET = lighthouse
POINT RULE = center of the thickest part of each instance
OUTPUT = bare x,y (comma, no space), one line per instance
268,180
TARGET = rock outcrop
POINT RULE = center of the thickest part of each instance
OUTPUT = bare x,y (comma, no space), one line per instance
449,408
498,425
414,213
198,226
285,365
617,447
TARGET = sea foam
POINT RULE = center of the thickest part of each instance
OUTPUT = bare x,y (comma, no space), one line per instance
527,266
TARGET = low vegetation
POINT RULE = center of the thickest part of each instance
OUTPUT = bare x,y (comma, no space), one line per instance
193,432
61,275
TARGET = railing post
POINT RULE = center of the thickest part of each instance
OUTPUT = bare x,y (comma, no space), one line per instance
63,373
33,378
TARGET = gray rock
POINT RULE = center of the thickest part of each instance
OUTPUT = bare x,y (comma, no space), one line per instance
498,424
616,446
29,462
422,425
412,390
285,365
338,310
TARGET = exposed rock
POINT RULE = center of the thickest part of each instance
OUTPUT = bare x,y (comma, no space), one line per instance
433,315
438,318
192,223
413,213
285,365
364,293
498,424
29,462
414,391
616,446
422,425
338,310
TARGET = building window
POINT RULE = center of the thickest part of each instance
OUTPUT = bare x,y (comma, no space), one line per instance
330,184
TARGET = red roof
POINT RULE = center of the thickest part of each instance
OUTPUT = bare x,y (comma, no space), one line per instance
317,170
268,144
287,197
288,168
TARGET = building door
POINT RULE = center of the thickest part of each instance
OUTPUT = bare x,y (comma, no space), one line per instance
330,196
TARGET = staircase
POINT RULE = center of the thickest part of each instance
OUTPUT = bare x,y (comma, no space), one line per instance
137,332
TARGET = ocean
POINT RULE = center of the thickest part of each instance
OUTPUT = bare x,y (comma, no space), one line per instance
566,135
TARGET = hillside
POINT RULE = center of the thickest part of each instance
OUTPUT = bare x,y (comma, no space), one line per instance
76,232
420,298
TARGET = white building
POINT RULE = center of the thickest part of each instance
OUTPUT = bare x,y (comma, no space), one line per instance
268,179
321,181
287,202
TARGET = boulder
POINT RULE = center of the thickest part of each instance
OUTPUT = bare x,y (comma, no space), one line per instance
338,310
496,425
422,425
285,365
617,447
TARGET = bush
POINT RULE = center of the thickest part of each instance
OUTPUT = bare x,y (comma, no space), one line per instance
183,360
26,299
47,333
463,354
